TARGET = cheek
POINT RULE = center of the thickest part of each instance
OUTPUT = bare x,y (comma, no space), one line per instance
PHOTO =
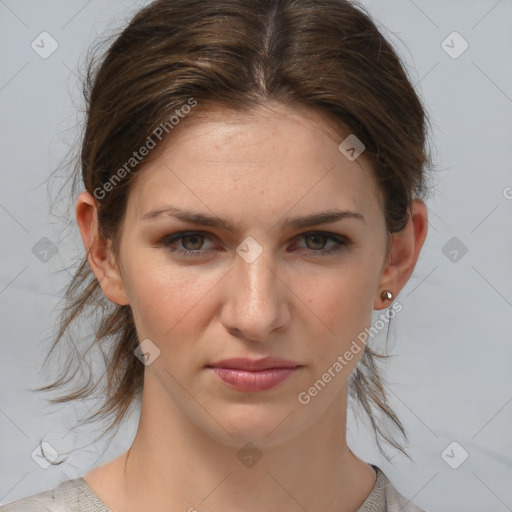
342,308
164,297
168,300
344,299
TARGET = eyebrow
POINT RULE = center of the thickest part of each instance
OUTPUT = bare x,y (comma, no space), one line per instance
203,219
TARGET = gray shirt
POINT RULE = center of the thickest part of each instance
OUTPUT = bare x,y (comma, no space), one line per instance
76,496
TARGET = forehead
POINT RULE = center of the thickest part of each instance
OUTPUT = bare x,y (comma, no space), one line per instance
278,130
264,152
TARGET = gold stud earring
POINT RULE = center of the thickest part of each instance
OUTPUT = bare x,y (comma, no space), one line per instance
386,295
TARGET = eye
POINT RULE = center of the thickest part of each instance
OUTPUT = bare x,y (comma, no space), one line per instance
317,241
194,242
191,241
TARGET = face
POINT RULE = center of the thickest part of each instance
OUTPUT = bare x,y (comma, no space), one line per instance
217,264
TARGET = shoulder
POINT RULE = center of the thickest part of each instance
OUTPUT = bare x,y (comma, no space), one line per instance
69,496
42,502
385,498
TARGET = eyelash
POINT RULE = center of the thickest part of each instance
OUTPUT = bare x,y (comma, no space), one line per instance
167,241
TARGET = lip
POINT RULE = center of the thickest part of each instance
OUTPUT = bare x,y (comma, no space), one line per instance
265,363
250,375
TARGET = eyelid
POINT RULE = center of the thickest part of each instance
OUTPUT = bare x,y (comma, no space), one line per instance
340,241
176,236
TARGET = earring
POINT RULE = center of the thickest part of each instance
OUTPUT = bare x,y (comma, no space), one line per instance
386,295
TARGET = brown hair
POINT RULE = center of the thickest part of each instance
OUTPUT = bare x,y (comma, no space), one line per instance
327,55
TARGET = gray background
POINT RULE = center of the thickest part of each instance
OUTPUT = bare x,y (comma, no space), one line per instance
450,379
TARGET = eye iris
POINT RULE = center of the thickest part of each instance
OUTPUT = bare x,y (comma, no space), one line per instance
316,236
192,237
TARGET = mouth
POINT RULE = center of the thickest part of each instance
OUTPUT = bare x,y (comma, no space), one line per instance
249,375
265,363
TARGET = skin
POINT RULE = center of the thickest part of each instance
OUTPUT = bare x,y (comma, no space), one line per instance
254,171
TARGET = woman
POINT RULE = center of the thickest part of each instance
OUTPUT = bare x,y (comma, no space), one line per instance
253,175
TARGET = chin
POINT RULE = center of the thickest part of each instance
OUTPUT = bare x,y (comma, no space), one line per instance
262,424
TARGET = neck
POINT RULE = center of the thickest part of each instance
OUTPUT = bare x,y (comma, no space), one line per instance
174,465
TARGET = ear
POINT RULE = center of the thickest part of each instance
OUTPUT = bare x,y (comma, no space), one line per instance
405,249
99,251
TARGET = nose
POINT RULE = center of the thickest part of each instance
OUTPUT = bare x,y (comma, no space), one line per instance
256,304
